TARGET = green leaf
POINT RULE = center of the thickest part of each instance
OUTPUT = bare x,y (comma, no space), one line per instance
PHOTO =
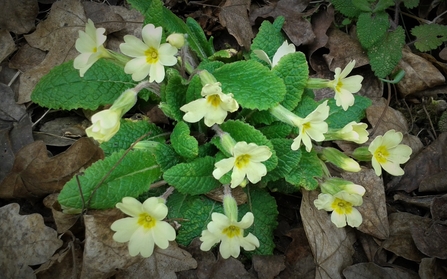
429,36
276,130
241,131
258,117
63,88
306,106
371,28
346,7
166,156
268,39
305,174
193,213
253,85
386,54
362,5
294,71
173,95
281,186
193,178
338,118
287,159
410,4
382,5
154,12
182,142
264,208
129,132
127,176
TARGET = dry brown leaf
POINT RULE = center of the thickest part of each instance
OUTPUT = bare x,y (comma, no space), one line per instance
35,174
268,267
7,44
62,131
373,209
372,249
420,170
420,74
24,241
321,21
431,239
299,258
234,16
373,271
332,247
430,268
400,241
18,16
63,221
26,58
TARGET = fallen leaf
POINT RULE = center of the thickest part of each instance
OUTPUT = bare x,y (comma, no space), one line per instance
63,221
332,247
425,165
373,209
431,239
438,208
25,241
62,131
15,129
18,16
400,241
373,271
7,44
268,267
26,58
430,268
234,16
228,268
35,174
299,258
372,249
419,74
321,21
205,259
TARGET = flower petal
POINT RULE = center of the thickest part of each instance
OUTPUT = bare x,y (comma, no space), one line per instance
338,219
152,35
130,206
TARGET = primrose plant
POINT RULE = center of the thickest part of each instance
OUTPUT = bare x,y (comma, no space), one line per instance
250,126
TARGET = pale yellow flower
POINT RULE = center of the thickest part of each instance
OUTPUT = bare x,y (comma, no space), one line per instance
246,161
90,45
355,132
145,228
342,206
230,233
176,39
214,107
283,50
312,126
344,86
388,153
150,56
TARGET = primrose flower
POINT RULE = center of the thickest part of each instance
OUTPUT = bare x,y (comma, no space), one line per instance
355,132
90,45
106,123
214,107
150,55
283,50
342,206
388,154
227,230
312,126
176,39
145,228
334,185
340,159
344,87
246,161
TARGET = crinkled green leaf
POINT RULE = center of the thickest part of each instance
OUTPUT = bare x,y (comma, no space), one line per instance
63,88
193,213
263,206
268,39
386,53
253,85
338,118
276,130
371,28
194,178
382,5
287,159
362,5
305,107
429,36
155,13
410,4
173,95
346,7
182,142
127,176
130,130
255,117
166,156
294,71
309,168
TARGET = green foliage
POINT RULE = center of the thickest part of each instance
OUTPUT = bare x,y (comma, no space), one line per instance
253,85
346,7
166,156
429,36
269,38
305,173
276,130
106,182
410,4
182,142
129,132
287,159
371,28
338,118
63,88
173,95
192,178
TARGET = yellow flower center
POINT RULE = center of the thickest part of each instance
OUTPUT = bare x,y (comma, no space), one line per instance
147,221
95,49
339,86
214,100
242,160
232,231
306,126
341,206
151,55
381,154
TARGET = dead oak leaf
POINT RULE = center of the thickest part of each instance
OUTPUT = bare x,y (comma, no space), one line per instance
18,16
35,174
24,241
234,16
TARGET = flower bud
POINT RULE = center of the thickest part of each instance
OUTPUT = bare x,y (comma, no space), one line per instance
362,154
104,126
355,132
230,207
176,39
207,78
125,101
335,185
340,159
228,142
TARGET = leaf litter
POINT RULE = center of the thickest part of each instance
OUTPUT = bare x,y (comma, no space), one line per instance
409,229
